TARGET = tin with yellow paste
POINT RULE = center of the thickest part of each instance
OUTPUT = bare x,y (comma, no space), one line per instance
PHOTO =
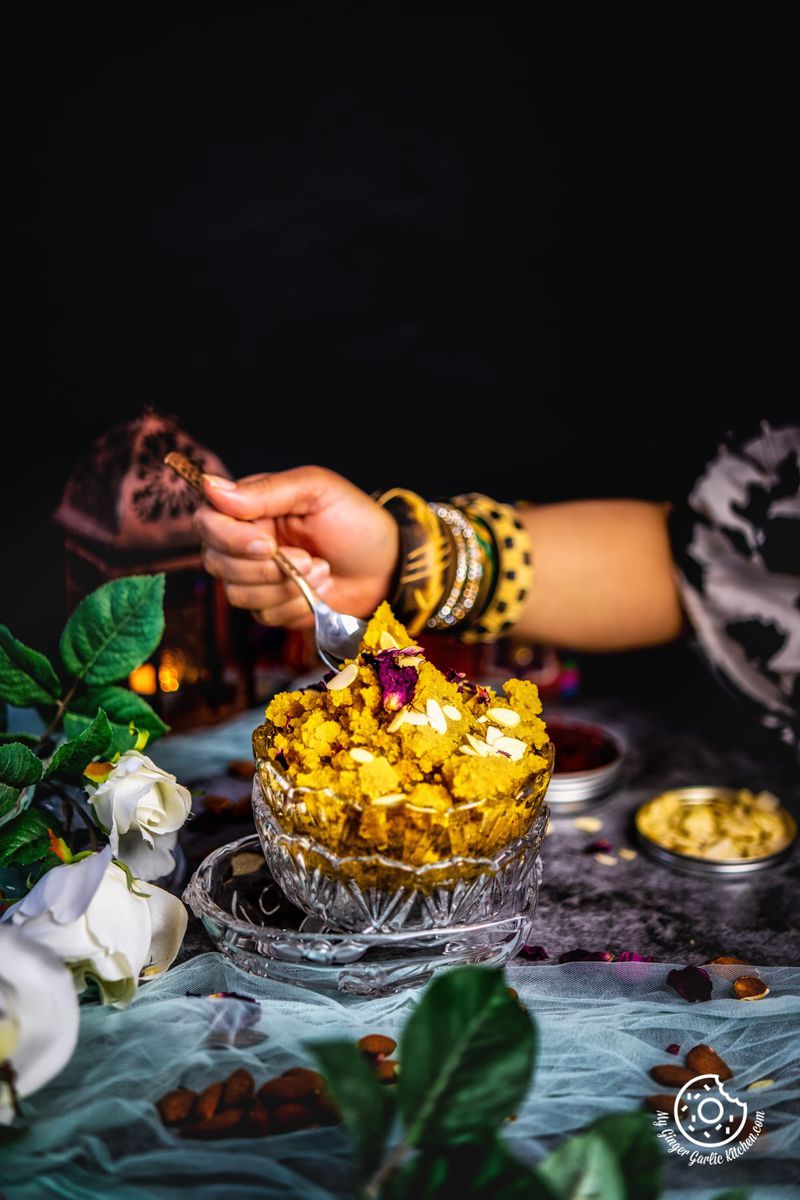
716,831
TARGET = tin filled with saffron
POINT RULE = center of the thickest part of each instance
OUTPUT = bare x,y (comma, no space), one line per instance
588,764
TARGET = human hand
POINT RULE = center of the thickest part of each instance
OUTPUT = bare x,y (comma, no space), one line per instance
342,541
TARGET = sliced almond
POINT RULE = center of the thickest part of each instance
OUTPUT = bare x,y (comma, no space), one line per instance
451,712
467,750
416,718
388,800
386,641
492,734
504,716
759,1083
361,755
511,746
478,746
605,860
346,676
626,852
397,721
436,715
587,824
408,660
483,720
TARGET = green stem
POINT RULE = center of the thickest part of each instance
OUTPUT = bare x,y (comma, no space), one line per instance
373,1189
61,708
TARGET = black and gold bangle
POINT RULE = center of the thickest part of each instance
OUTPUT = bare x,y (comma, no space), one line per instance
465,583
424,560
513,570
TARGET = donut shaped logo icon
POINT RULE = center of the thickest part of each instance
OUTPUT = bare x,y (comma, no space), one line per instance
706,1114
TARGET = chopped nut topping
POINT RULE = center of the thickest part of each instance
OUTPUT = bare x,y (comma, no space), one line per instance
408,660
416,718
451,712
588,824
346,676
391,798
626,852
361,755
605,860
397,721
386,641
477,745
436,715
468,750
511,746
503,716
492,734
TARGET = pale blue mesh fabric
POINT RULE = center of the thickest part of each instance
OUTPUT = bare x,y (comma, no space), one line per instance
96,1134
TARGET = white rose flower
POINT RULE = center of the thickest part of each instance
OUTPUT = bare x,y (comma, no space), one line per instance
143,808
38,1016
86,914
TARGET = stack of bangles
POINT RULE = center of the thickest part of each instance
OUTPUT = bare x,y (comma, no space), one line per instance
464,565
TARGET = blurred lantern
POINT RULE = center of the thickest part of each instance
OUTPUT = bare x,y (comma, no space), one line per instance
124,513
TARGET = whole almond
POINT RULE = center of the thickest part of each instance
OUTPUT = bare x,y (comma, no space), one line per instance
315,1083
238,1087
219,1126
671,1075
377,1045
726,959
176,1107
257,1121
294,1116
704,1060
283,1090
664,1102
750,987
209,1101
386,1070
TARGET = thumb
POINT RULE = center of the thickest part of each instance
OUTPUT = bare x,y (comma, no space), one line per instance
286,493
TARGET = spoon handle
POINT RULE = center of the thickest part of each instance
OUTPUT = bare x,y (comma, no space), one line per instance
192,475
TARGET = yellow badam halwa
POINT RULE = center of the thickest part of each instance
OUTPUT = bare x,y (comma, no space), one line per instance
390,728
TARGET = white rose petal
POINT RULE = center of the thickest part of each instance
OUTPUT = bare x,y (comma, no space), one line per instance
118,933
140,801
38,1014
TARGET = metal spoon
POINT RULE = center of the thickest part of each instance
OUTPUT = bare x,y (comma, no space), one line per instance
338,635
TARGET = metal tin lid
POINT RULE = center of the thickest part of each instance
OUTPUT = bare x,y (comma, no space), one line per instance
715,830
574,786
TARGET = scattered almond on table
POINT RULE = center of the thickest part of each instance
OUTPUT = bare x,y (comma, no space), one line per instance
750,987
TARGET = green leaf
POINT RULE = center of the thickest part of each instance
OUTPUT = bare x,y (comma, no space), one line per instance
19,768
583,1168
73,756
471,1172
121,737
114,629
28,827
25,739
633,1142
121,706
467,1056
365,1104
34,852
26,676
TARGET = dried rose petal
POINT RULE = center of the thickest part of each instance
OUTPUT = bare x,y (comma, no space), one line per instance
598,846
693,983
632,956
397,684
534,953
673,1048
586,956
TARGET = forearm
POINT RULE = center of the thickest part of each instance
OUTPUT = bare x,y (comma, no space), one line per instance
603,576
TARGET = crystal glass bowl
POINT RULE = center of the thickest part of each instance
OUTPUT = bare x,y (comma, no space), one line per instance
251,922
373,892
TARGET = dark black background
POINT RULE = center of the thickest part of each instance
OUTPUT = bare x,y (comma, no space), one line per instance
448,249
